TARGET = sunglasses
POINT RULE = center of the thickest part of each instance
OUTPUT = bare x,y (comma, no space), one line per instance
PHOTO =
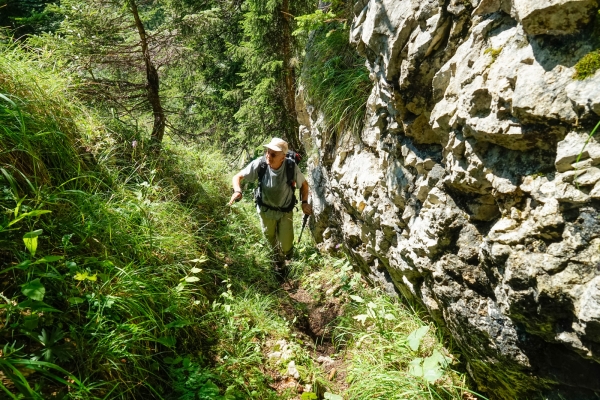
273,154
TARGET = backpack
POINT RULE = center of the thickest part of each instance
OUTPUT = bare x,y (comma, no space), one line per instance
291,160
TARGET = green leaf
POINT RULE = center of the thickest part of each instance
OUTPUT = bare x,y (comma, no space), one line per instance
172,361
31,240
362,338
36,306
180,323
358,299
33,213
191,279
82,276
9,101
168,341
34,290
415,368
431,369
362,318
72,266
23,264
76,300
439,358
195,270
209,391
308,396
331,396
30,322
48,259
415,337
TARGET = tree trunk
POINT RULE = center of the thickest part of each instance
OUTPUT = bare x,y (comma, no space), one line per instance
158,130
290,82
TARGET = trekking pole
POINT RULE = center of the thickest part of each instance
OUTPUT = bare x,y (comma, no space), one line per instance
304,221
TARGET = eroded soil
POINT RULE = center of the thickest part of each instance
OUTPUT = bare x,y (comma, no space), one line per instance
313,319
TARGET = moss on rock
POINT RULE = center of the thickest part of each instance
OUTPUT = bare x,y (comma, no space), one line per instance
587,66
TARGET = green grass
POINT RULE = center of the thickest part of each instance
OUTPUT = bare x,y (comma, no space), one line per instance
390,349
395,354
336,79
125,253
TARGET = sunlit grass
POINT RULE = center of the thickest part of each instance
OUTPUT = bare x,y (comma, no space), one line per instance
386,363
336,79
390,348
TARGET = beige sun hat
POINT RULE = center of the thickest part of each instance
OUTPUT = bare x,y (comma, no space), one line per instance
277,144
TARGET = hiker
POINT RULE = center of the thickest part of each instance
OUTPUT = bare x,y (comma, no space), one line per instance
275,198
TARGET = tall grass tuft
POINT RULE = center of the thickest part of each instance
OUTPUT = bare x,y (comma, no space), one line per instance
38,123
394,353
336,79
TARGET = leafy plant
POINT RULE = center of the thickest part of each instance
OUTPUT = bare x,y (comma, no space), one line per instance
17,368
53,350
430,368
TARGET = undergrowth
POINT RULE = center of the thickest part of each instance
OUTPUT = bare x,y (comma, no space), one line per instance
126,276
110,260
390,348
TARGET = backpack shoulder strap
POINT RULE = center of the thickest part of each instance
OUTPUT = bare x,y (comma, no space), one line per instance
262,169
290,170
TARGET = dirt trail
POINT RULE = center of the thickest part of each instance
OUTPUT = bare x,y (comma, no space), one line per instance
313,317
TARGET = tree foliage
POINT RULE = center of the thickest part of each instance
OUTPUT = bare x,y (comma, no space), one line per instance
24,17
269,55
117,48
202,92
227,68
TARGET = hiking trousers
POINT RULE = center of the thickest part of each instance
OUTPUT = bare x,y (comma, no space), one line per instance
279,234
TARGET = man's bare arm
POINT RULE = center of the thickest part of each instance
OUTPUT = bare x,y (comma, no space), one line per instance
236,181
306,208
304,191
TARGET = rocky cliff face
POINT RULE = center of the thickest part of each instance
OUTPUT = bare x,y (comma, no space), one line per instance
468,188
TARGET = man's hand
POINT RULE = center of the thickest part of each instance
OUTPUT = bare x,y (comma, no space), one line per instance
236,196
236,181
307,209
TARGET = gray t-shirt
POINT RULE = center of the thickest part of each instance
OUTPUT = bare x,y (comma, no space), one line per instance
275,190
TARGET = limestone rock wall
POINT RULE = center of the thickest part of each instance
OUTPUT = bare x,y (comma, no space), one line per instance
468,188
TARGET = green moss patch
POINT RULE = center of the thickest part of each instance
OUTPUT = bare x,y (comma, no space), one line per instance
587,66
494,53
